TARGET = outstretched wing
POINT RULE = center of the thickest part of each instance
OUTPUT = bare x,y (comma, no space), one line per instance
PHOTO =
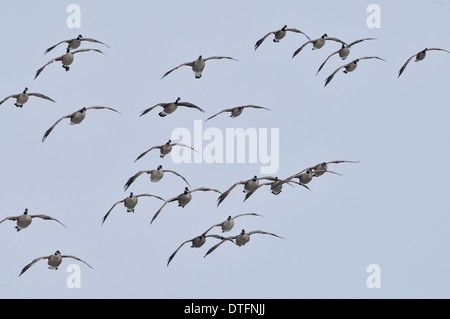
359,41
183,145
177,67
76,258
405,64
13,218
54,46
223,111
301,48
150,195
93,40
165,203
230,238
321,66
32,263
109,211
8,97
176,250
177,174
264,233
227,192
260,41
45,217
298,31
331,76
151,108
133,178
41,96
43,67
102,108
219,57
154,147
86,50
205,189
187,104
47,133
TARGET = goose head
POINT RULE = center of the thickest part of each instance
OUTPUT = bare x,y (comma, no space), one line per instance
26,211
254,178
200,57
229,218
284,27
82,110
159,167
240,107
168,142
243,232
79,37
186,191
131,194
25,90
177,100
324,36
57,253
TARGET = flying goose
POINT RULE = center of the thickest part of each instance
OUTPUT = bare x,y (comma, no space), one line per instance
322,168
76,117
53,261
130,203
66,59
169,108
164,149
419,57
249,186
241,239
22,98
197,65
228,223
236,111
196,242
343,52
183,198
155,176
278,35
349,67
276,185
24,220
317,43
74,43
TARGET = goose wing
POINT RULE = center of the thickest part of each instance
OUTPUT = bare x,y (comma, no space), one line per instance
151,108
177,174
43,67
335,39
46,217
93,40
405,64
8,97
101,108
301,48
438,49
359,41
160,209
260,41
177,67
183,145
76,258
255,107
176,250
188,104
41,96
150,149
219,57
223,111
321,66
227,192
13,218
86,50
331,76
264,233
109,211
133,178
54,46
230,238
32,263
205,189
298,31
150,195
47,133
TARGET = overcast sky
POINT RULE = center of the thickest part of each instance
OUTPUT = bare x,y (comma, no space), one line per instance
388,210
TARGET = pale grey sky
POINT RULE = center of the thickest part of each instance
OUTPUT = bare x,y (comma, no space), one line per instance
390,209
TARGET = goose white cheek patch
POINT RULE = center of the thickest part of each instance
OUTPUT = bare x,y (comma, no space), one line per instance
235,145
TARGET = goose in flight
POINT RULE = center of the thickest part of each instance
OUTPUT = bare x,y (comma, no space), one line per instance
130,203
66,59
249,186
24,220
418,57
76,117
155,176
164,149
22,98
228,223
241,239
196,242
322,168
343,52
278,35
169,108
183,198
198,65
276,185
74,43
349,67
317,43
53,261
236,111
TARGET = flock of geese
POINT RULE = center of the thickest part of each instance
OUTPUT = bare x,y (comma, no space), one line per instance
250,186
